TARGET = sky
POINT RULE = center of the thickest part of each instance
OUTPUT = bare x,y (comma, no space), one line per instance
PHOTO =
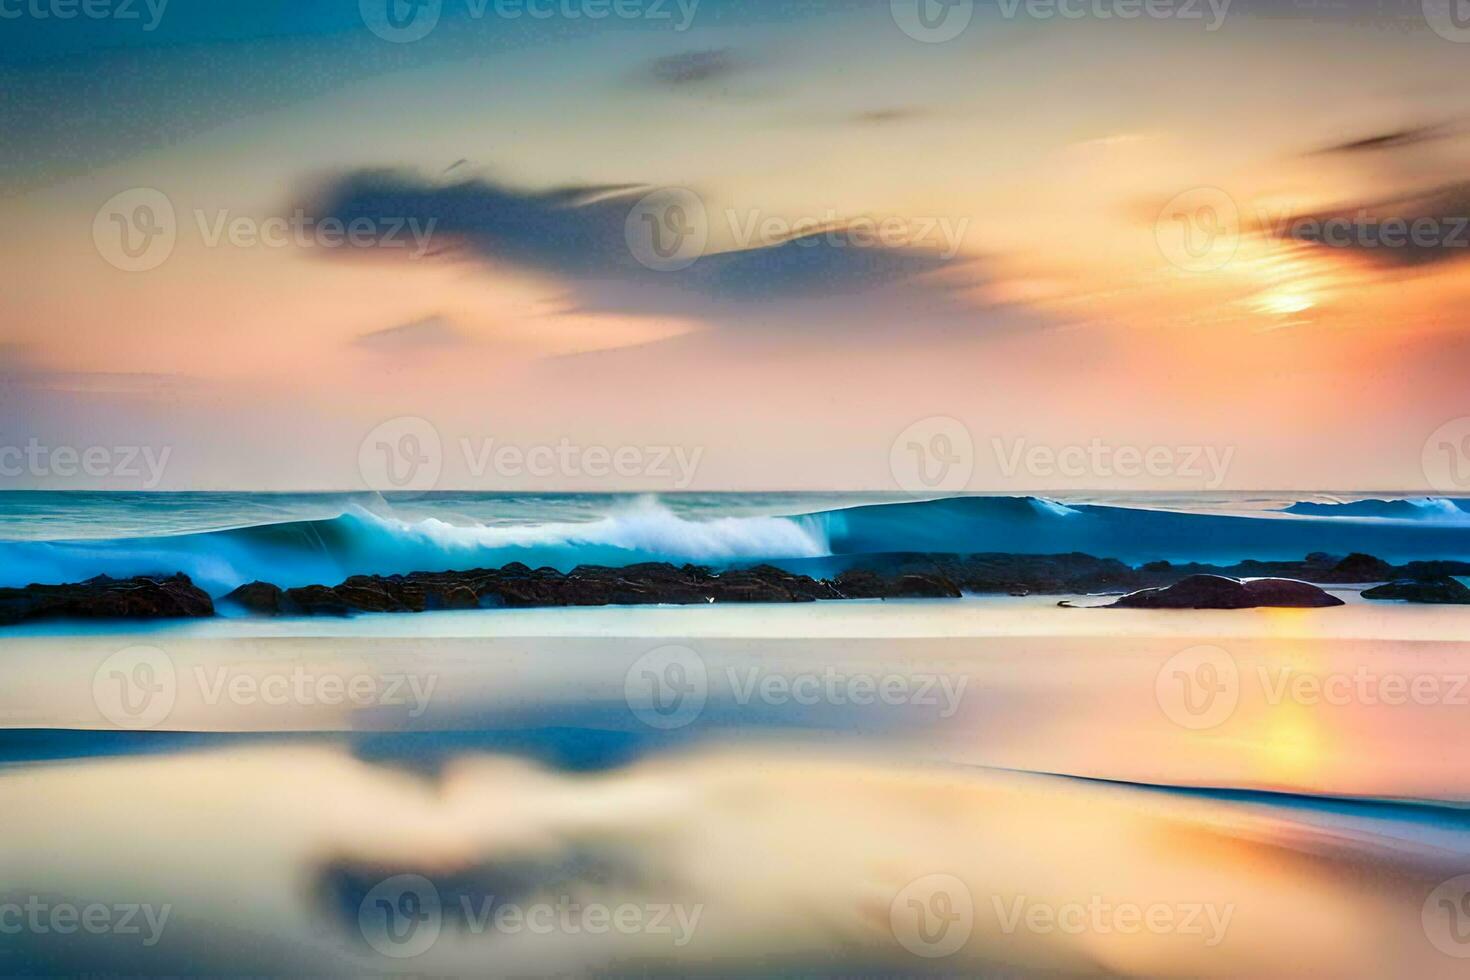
1008,246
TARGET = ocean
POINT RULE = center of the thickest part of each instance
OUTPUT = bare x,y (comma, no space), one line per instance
223,540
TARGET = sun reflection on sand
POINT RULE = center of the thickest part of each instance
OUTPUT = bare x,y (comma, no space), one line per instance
793,855
1293,734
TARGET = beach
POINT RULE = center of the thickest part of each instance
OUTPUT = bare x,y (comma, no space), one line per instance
991,784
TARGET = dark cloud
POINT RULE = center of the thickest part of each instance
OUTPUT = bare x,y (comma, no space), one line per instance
581,234
1392,140
431,333
565,230
692,67
1407,232
817,264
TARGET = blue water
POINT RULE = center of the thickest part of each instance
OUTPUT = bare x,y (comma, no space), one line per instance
223,540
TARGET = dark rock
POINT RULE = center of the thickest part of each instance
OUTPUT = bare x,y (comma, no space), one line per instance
315,600
261,598
1076,573
1358,567
143,597
1195,592
516,587
1002,574
867,584
1424,570
454,597
1050,574
369,593
1289,593
1440,591
916,586
1156,584
899,575
766,583
1317,567
1219,592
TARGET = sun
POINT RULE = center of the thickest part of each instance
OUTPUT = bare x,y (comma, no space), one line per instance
1285,303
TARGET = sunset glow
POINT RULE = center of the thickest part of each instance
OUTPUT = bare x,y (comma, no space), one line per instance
1054,232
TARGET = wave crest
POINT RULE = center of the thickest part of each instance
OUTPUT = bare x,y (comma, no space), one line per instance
1442,509
360,541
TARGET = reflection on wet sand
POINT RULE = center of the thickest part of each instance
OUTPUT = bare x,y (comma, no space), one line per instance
1292,712
769,857
1255,796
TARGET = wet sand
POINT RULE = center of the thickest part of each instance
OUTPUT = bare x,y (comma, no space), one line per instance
1253,793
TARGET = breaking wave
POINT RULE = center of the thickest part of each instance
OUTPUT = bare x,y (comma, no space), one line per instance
380,541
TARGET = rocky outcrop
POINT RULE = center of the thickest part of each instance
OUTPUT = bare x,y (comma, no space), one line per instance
1220,592
258,597
143,597
1439,591
1358,567
1082,574
1317,567
1074,572
1157,584
517,586
908,576
862,583
1421,570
